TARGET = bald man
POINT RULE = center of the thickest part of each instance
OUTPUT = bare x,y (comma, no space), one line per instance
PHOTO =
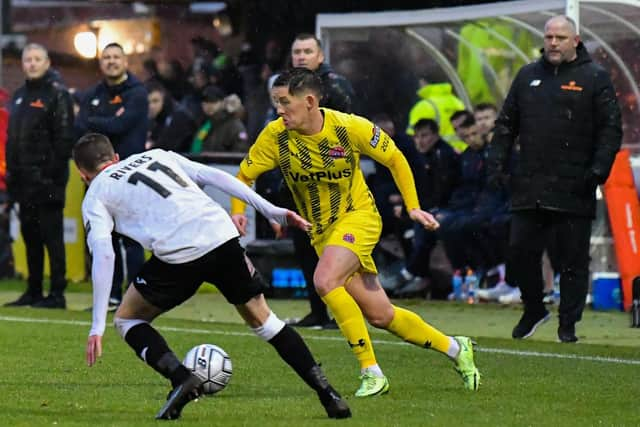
563,109
39,141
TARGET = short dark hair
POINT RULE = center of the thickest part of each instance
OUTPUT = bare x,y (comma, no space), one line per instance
483,106
212,93
468,122
308,36
426,123
155,86
92,150
299,80
113,44
461,114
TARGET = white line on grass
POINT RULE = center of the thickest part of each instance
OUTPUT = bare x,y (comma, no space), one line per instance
614,360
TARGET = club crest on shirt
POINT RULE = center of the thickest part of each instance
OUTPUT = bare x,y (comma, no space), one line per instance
37,104
572,86
336,152
375,138
349,238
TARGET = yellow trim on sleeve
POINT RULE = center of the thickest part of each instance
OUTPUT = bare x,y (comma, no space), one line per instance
237,205
403,178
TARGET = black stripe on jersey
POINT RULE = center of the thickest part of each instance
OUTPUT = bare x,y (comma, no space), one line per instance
314,196
334,200
283,151
327,160
343,137
303,154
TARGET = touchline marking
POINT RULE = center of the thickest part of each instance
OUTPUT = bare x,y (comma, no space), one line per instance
602,359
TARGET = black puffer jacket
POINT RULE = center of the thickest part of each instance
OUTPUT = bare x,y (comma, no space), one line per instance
567,120
39,141
337,91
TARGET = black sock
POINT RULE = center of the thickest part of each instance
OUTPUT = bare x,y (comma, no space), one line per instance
158,355
293,350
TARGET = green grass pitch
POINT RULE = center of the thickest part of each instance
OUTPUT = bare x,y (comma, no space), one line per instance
44,380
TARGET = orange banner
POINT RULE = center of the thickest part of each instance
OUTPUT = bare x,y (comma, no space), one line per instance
624,215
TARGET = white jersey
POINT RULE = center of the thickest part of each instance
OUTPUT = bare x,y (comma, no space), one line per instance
155,198
152,198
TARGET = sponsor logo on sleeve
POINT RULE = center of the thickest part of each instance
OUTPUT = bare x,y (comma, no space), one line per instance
375,138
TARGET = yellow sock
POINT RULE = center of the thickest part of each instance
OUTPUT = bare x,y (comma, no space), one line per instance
411,328
351,323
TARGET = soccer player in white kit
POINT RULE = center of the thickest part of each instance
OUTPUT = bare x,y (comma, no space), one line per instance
156,198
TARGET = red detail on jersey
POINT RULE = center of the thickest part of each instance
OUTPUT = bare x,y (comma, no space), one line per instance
350,238
116,100
37,103
336,152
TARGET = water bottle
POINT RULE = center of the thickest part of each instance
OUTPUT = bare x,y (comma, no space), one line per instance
471,283
556,289
456,283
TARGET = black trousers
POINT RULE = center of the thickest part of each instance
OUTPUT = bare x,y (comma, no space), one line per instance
529,236
42,226
308,260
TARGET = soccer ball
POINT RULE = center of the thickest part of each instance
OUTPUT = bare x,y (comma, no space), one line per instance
212,364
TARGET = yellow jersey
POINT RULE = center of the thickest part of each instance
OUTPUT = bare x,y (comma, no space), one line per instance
322,170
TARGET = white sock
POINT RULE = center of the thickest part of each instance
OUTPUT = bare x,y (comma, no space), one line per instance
454,348
406,274
502,272
374,370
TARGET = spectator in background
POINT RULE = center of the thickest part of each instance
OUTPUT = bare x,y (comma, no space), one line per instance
436,168
118,107
337,94
192,101
172,127
6,254
563,110
222,129
457,119
39,142
437,102
485,115
456,224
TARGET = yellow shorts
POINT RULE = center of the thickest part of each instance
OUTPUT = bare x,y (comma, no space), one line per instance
357,231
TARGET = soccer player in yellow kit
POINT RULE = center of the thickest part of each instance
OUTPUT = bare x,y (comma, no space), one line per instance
318,151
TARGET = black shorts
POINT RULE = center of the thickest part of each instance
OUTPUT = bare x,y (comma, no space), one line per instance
227,267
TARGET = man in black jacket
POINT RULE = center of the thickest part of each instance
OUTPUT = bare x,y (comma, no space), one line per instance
39,141
563,109
118,107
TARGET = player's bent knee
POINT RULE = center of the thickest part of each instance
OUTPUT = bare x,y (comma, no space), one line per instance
381,319
324,284
123,325
269,328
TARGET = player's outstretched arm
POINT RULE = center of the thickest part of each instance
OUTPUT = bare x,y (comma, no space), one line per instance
206,175
295,220
94,349
425,218
240,221
101,274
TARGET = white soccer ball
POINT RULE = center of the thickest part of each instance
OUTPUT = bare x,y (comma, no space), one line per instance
212,364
